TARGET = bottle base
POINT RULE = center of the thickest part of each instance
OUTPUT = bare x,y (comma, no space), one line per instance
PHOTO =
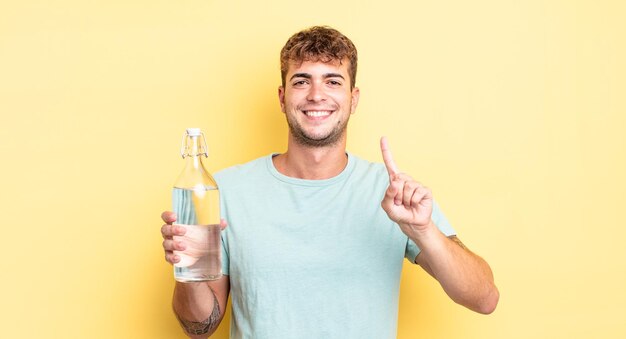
199,279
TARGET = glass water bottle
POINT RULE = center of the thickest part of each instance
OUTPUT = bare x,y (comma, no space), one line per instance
196,202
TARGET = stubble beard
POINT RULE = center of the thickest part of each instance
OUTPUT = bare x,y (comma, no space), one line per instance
304,139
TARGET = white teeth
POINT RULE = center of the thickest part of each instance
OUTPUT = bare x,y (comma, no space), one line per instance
317,113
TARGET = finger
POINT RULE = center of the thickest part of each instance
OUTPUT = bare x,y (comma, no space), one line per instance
396,191
405,177
223,224
168,217
420,196
171,258
391,192
417,197
169,231
170,245
410,188
391,166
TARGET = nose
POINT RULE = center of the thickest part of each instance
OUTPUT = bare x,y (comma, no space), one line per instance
316,93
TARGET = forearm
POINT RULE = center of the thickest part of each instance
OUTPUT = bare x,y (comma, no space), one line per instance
197,309
464,276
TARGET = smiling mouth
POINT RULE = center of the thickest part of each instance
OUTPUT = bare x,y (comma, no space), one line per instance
317,114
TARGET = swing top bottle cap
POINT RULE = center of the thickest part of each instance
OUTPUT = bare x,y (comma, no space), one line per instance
194,132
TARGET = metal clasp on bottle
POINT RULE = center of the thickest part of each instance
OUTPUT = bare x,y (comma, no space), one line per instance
185,147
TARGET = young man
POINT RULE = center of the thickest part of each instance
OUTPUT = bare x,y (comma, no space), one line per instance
316,236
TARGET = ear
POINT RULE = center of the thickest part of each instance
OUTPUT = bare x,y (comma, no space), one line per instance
356,93
281,98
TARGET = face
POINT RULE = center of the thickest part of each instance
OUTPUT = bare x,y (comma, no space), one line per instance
318,101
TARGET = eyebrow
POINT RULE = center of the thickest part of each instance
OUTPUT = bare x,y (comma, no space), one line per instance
309,76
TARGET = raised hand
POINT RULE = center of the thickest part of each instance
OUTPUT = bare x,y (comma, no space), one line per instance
406,201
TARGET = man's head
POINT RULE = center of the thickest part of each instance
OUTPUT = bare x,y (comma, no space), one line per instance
319,43
318,95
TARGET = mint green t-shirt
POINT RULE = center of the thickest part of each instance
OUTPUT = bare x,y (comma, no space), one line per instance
312,258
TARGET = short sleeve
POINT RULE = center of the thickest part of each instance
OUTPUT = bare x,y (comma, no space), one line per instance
225,258
442,223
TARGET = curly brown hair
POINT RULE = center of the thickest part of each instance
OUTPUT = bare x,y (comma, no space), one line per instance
319,43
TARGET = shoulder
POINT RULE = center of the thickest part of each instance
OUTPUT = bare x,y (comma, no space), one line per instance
238,172
371,174
365,168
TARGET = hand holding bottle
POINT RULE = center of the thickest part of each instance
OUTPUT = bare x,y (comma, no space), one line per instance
168,231
183,247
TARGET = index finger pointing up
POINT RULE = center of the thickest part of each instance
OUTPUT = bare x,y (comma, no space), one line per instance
387,157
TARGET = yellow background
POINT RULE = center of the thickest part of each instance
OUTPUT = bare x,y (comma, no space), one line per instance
513,112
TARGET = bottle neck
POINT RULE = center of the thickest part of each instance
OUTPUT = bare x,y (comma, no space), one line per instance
194,148
194,173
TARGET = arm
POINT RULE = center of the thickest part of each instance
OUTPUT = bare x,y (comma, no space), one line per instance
464,276
200,306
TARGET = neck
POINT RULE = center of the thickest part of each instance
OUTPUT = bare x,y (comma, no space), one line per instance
313,163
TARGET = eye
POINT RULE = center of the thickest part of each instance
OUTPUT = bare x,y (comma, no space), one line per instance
334,83
300,83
